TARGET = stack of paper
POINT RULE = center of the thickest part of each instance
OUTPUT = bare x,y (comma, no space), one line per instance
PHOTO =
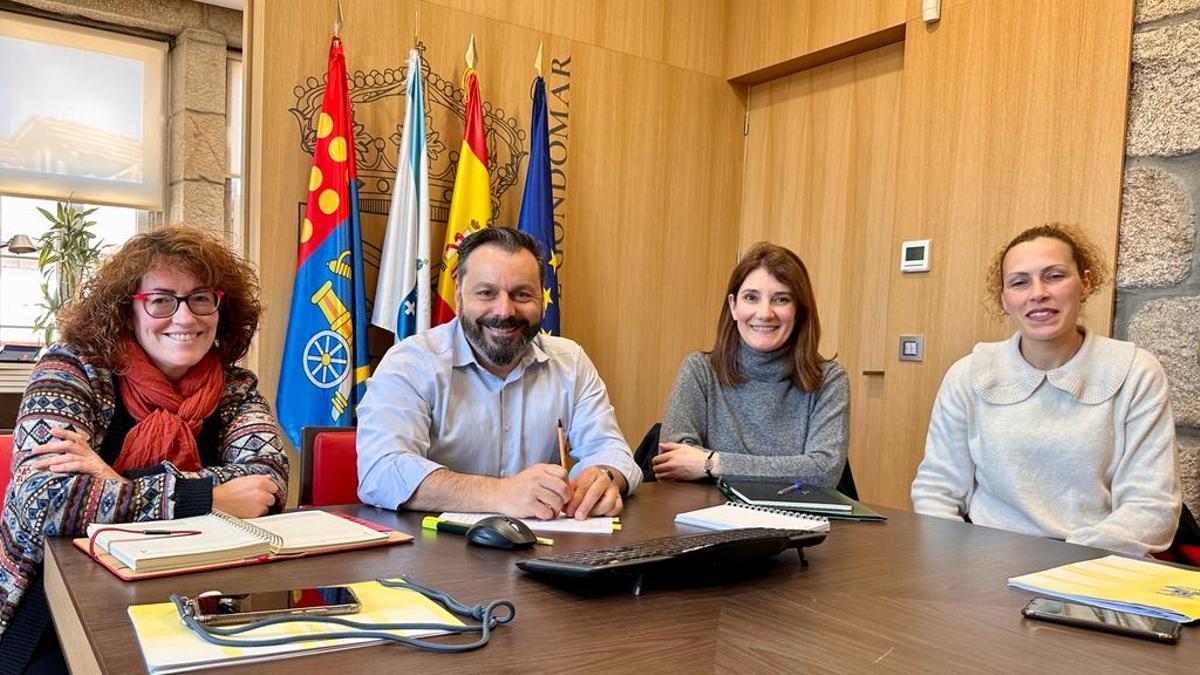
1136,586
596,525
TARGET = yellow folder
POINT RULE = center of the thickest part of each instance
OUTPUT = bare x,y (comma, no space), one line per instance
1137,586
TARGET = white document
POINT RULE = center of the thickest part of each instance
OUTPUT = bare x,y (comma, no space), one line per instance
597,525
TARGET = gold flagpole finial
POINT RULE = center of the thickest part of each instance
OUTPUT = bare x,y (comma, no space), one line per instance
338,20
537,65
416,25
471,53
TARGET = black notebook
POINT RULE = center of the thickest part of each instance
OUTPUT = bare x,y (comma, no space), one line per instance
808,498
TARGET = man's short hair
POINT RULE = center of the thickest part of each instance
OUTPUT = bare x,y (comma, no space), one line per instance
508,240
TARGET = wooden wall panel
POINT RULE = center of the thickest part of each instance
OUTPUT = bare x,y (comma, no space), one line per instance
689,34
653,171
820,178
1009,114
654,235
764,33
1012,114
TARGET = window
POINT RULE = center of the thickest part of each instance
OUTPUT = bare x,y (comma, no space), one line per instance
233,144
82,114
82,119
20,281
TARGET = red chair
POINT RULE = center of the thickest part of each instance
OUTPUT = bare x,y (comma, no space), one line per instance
328,466
1185,548
6,452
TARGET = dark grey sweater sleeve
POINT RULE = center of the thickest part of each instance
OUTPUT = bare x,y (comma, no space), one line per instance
686,419
825,446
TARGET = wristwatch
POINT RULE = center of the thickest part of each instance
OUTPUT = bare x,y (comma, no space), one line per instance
708,464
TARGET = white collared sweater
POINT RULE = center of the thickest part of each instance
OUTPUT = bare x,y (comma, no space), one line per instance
1084,452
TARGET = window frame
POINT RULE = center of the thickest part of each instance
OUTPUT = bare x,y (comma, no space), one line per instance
151,194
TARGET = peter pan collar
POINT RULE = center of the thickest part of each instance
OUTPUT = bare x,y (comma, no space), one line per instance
1002,376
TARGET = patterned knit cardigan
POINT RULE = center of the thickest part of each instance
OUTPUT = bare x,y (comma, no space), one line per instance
65,389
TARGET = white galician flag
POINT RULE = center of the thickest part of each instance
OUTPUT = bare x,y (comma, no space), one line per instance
402,295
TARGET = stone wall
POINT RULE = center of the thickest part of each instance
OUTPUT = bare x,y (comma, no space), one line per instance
1158,271
201,34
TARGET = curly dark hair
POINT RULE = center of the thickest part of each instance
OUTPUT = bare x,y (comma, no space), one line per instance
99,322
1084,254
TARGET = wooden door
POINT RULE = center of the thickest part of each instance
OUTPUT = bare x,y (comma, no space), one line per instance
820,178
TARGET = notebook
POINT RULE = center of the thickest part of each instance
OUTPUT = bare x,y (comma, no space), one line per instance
596,525
858,511
1135,586
735,515
767,494
227,541
168,646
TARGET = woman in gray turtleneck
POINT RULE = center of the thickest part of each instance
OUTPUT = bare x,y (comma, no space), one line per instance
763,404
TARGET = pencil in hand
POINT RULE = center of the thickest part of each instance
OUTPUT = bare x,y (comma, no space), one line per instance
562,445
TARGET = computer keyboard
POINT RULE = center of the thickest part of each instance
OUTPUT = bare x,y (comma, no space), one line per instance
690,551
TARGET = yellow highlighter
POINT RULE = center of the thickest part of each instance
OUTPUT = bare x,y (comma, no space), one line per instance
435,523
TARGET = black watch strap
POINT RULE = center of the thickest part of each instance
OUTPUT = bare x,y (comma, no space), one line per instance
708,463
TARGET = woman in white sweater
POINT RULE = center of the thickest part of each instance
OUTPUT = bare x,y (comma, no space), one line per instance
1057,431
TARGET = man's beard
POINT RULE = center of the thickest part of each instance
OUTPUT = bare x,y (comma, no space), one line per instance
504,350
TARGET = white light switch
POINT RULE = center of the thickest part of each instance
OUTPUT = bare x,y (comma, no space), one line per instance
912,348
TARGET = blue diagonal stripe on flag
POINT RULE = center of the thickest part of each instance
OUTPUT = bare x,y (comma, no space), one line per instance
402,302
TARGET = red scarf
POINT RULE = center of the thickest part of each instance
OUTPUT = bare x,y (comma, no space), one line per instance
168,415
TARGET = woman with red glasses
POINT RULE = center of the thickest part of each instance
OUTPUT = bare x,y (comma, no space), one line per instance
138,414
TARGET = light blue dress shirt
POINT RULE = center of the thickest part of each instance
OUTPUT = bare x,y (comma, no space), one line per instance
431,405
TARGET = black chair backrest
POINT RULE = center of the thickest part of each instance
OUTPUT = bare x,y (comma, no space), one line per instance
1188,533
846,482
648,449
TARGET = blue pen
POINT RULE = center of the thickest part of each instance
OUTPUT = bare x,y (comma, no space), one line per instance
791,488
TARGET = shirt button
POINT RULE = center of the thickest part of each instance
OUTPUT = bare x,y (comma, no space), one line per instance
507,428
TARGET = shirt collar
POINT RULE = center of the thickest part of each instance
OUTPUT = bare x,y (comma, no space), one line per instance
463,355
1093,375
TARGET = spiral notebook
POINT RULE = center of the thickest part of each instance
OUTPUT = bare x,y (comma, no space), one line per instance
226,541
735,515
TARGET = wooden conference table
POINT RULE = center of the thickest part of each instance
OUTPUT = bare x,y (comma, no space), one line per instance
916,594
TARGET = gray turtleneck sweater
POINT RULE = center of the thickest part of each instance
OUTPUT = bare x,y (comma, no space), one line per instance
765,428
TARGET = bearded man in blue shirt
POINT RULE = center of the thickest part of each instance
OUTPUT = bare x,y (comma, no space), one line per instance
464,417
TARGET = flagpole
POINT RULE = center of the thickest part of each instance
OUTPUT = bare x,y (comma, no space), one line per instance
338,20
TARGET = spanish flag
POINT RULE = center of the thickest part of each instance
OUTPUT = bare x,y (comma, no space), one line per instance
471,202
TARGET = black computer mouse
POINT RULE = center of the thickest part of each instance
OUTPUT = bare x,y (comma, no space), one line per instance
501,532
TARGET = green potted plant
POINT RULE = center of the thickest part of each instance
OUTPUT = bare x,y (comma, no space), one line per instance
69,252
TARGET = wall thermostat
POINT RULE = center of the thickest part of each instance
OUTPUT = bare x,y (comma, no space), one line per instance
914,256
